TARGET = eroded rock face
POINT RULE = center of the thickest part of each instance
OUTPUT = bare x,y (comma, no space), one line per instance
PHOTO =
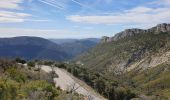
161,28
132,32
127,33
105,39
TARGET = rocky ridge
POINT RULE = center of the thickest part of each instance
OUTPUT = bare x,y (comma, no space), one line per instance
132,32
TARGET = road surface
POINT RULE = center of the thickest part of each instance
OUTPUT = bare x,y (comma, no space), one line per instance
68,82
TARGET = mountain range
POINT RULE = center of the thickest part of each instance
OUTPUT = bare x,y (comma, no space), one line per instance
75,47
39,48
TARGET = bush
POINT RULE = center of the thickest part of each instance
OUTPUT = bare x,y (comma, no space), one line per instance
16,75
19,60
31,64
62,66
43,86
8,90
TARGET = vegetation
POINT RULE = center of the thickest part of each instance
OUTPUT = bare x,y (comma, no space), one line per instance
19,60
154,81
18,82
100,63
110,88
98,69
124,52
151,83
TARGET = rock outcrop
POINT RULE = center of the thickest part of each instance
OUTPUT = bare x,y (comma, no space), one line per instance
160,28
105,39
132,32
127,33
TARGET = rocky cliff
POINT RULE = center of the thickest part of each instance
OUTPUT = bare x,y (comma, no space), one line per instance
132,32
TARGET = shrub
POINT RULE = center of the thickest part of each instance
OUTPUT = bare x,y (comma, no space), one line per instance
44,86
19,60
15,74
31,64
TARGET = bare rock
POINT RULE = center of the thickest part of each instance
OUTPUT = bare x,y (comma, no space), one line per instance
105,39
132,32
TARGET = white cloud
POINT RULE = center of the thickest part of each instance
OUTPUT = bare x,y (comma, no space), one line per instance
12,14
10,4
9,17
138,15
140,10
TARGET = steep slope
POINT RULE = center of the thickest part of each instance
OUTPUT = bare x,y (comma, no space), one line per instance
130,49
133,64
154,81
31,48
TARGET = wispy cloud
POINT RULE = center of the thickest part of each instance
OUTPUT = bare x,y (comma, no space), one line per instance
10,17
11,12
10,4
79,3
37,20
138,15
7,16
53,3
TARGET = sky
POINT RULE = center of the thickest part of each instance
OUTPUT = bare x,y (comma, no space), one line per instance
79,18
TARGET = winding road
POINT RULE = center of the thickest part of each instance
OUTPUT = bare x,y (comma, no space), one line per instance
66,81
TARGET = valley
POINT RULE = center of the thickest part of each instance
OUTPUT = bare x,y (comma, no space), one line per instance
84,49
132,65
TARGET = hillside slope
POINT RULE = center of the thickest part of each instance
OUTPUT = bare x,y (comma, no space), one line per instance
133,63
31,48
122,54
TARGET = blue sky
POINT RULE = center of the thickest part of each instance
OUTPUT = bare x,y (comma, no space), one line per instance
79,18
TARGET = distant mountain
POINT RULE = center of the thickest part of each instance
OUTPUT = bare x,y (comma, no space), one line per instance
75,47
31,48
61,41
39,48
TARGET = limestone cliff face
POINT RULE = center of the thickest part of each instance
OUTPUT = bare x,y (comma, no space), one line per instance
132,32
161,28
127,33
105,39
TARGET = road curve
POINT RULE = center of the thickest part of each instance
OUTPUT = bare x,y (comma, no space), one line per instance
66,82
